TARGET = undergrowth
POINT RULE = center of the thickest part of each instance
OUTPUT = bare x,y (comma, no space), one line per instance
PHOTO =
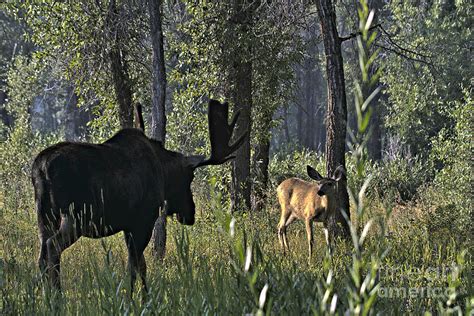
206,269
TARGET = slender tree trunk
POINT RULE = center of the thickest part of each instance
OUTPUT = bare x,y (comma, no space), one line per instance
285,123
261,159
309,103
5,117
300,112
158,115
71,121
241,164
242,96
374,145
336,111
320,129
120,77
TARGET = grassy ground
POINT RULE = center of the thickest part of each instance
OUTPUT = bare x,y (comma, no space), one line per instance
204,269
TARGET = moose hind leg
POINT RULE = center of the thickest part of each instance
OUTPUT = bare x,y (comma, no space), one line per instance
65,237
48,222
48,225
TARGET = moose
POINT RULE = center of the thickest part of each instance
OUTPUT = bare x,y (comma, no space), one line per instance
97,190
307,201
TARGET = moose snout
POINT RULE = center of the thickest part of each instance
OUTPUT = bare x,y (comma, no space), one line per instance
185,220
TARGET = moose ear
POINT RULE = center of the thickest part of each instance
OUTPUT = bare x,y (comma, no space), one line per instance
339,172
194,160
313,174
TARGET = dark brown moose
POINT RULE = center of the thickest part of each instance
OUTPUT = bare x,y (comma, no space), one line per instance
97,190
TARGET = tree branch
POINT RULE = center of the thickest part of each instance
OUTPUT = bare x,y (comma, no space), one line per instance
352,35
392,42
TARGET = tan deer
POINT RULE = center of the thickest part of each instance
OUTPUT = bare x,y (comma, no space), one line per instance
308,201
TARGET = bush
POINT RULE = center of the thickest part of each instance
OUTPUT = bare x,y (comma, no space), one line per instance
447,202
399,178
16,157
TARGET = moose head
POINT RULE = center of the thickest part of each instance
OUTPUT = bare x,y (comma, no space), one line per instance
180,171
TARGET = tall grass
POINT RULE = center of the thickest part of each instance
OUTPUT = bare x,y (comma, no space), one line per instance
211,268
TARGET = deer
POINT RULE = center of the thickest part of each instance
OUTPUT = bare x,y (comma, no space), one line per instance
97,190
308,201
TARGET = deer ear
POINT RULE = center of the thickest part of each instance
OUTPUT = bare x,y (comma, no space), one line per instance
194,160
313,174
339,172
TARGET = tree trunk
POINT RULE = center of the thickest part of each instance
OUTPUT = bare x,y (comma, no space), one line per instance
120,77
242,96
374,144
241,164
71,132
320,128
336,112
261,159
286,127
158,115
5,117
309,102
299,113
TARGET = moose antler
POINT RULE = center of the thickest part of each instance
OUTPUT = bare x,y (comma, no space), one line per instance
220,133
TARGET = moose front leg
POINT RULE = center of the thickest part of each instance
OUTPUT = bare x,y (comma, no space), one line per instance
136,244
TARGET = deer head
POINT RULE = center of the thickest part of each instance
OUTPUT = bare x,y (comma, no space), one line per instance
326,186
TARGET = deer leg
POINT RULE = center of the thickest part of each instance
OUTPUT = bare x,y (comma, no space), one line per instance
328,242
290,220
56,244
309,233
282,228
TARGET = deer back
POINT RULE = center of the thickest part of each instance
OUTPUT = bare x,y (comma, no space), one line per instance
301,198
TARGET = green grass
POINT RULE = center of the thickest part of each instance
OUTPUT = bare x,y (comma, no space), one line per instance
203,271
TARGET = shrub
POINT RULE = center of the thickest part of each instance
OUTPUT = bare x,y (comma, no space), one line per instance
399,178
447,202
